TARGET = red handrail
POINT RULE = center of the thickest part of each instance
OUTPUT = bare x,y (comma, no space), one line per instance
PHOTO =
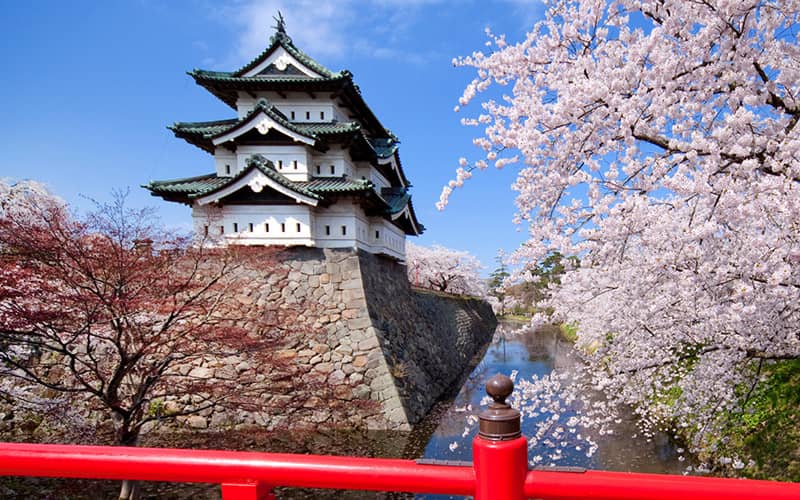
499,470
252,475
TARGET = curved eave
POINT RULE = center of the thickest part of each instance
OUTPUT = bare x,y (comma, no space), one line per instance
226,88
194,138
414,227
181,190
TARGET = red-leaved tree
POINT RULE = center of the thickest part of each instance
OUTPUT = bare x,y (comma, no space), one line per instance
119,318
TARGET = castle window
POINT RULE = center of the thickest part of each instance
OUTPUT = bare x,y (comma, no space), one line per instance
298,227
327,230
333,169
205,230
227,169
321,115
266,228
250,227
319,169
308,115
377,235
283,227
221,229
235,227
344,230
292,115
294,164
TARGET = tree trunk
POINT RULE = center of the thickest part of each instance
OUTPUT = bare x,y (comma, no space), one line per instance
127,437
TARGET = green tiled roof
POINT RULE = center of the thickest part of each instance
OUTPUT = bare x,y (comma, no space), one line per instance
396,199
282,39
195,187
201,134
225,85
337,185
389,201
189,185
205,129
384,148
229,77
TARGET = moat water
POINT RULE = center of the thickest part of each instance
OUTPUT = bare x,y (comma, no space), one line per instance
539,352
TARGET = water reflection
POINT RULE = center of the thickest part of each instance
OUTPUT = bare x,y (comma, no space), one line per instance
538,353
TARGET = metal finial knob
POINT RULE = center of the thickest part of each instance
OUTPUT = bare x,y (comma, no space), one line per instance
499,388
499,422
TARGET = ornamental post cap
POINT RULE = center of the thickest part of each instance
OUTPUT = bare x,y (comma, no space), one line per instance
499,422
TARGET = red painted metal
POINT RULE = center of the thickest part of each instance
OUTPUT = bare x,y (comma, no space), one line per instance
205,466
500,468
247,491
601,485
245,475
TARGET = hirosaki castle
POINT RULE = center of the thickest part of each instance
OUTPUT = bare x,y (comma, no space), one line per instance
305,162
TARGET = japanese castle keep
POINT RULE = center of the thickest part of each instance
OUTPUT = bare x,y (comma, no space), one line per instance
306,162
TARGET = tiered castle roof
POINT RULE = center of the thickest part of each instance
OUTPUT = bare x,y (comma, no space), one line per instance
362,135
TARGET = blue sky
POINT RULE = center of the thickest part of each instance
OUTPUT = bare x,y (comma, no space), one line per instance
89,88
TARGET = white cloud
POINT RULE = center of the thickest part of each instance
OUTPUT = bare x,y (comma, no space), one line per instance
331,30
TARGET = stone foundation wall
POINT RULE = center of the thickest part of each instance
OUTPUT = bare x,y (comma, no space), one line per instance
367,350
385,350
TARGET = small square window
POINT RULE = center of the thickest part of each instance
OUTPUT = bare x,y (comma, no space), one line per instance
328,230
283,227
344,230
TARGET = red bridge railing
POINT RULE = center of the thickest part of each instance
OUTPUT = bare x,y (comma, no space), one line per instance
499,470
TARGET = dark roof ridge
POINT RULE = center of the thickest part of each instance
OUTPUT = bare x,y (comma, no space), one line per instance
182,179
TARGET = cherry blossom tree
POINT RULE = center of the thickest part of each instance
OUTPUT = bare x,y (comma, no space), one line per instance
110,315
444,270
657,141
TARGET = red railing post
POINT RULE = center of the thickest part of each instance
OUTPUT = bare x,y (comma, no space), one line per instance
247,491
499,451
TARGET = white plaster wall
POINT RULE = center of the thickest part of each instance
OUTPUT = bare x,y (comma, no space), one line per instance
271,224
291,161
305,108
314,224
225,162
334,163
330,221
385,237
368,171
